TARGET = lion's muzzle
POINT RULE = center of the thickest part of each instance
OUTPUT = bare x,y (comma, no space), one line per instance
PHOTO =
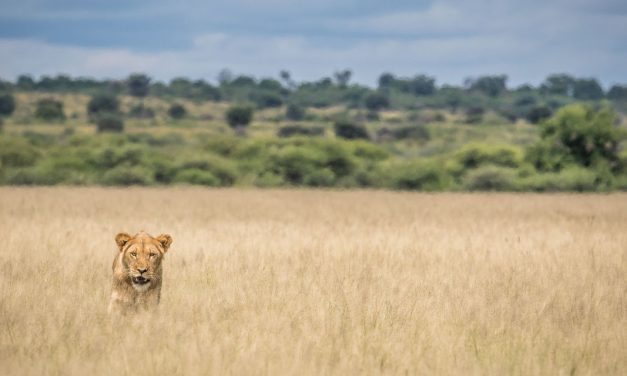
140,280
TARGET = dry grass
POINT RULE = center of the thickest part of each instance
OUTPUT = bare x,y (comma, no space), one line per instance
312,282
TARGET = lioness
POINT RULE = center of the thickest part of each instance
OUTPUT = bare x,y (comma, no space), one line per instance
137,272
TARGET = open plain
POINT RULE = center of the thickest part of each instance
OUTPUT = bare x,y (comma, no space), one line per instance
317,282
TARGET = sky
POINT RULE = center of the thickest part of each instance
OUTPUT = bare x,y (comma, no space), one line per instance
448,39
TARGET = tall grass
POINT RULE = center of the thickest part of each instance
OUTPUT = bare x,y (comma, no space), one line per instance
318,282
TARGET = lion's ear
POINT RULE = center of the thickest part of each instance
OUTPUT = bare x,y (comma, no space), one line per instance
121,239
165,240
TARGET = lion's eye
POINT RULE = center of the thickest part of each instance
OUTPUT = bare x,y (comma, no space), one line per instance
153,255
134,254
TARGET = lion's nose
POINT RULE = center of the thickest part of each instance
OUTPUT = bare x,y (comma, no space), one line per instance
141,271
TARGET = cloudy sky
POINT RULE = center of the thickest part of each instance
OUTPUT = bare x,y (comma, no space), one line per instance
449,39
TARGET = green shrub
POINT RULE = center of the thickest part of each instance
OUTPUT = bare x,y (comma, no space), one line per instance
177,111
537,114
322,177
474,115
475,155
350,131
581,134
294,163
109,122
573,178
16,152
223,169
239,116
490,178
49,109
140,111
7,104
414,132
197,176
101,104
295,112
266,99
300,130
419,176
112,156
32,176
376,101
128,175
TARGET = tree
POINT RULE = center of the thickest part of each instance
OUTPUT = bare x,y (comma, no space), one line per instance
578,134
422,85
558,84
587,89
138,84
376,101
489,85
25,82
49,109
177,111
7,104
225,77
239,117
350,131
617,92
386,80
109,122
102,103
343,77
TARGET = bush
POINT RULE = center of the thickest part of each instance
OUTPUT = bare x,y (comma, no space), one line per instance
294,112
7,104
538,113
15,152
490,178
294,163
128,175
223,169
109,123
32,176
416,132
350,131
101,104
377,101
475,155
177,111
267,99
581,134
474,115
196,176
141,112
573,178
300,130
49,109
239,116
322,177
419,176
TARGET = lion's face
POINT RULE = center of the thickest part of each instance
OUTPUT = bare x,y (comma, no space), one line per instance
142,255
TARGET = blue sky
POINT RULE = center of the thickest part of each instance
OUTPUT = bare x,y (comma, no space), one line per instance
449,39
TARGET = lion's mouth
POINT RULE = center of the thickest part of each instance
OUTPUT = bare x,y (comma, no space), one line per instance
140,280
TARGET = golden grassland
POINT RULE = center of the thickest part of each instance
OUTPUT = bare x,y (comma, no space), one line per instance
318,282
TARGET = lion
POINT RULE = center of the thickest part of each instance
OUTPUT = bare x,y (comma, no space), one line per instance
137,272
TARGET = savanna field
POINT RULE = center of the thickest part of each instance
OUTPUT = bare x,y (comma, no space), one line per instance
318,282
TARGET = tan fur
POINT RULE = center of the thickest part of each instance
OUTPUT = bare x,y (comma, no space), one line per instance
137,272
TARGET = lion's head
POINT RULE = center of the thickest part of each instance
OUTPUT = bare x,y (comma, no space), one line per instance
141,257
